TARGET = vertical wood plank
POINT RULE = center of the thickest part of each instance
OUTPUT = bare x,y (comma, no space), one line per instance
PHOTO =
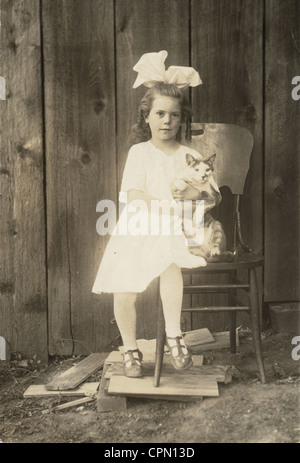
23,305
282,151
227,49
81,166
144,27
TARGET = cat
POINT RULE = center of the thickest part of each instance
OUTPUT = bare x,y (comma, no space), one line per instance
198,174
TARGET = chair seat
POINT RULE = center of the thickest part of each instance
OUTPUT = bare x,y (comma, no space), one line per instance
241,261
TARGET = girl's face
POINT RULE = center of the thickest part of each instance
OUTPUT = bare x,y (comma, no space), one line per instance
164,118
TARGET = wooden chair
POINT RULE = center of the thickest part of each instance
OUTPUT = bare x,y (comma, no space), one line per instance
233,146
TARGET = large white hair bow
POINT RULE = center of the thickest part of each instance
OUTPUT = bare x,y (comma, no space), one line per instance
151,69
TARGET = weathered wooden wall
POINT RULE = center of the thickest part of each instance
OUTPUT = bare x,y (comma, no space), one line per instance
282,151
64,127
80,124
226,32
222,33
23,298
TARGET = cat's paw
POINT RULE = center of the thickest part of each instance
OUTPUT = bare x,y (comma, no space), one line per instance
215,251
225,257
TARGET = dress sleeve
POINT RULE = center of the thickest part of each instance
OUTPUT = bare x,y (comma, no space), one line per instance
134,173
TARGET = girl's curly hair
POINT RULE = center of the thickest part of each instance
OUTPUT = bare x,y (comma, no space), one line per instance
140,131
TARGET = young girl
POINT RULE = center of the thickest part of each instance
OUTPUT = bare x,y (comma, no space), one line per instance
132,260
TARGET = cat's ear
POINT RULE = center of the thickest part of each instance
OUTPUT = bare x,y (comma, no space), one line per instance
212,158
189,159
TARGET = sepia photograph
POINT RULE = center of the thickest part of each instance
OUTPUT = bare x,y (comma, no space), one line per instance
149,224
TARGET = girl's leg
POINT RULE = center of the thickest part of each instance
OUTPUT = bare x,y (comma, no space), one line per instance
125,315
171,293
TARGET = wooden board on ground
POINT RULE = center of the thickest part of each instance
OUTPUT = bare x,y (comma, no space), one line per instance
74,403
218,373
198,337
222,340
85,389
3,349
77,374
170,385
105,402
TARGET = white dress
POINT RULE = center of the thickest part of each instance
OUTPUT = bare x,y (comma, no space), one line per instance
132,260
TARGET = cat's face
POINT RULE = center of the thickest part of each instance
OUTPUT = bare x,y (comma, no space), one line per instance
200,170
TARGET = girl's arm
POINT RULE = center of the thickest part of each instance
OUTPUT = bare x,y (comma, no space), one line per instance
171,209
189,193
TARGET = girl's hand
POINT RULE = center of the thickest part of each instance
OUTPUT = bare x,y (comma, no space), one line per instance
188,193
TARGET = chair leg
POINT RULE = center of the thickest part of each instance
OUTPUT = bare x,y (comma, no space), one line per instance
255,318
233,332
160,344
232,302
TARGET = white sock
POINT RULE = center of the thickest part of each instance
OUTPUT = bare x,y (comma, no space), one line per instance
125,315
171,292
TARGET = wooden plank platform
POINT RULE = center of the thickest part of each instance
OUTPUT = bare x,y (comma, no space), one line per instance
170,385
114,364
189,385
71,378
218,373
85,389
